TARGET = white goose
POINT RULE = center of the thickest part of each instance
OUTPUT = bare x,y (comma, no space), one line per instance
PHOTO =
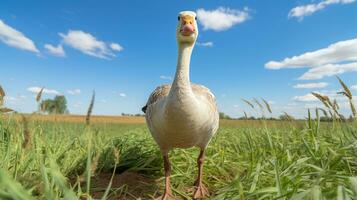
183,114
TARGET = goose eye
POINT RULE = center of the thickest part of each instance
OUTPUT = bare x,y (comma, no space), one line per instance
178,18
195,18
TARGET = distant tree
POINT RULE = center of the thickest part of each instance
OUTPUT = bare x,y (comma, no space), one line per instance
325,119
222,115
58,105
286,117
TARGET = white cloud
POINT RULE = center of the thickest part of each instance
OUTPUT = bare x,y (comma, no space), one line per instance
328,70
10,98
271,102
338,58
205,44
338,52
36,90
15,38
313,105
88,44
74,92
292,104
78,104
305,98
56,51
116,47
166,77
222,18
122,94
311,85
305,10
354,87
19,99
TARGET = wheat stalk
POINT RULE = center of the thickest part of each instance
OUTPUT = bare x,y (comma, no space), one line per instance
90,109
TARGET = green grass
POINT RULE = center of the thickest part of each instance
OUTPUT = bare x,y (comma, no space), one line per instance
280,161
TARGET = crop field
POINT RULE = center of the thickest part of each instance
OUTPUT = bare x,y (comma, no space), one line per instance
63,158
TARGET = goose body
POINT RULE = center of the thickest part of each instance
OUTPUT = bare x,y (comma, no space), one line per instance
182,115
182,120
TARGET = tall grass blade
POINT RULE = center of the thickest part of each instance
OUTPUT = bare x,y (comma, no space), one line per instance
90,109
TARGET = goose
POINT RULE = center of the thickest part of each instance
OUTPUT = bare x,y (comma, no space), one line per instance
183,114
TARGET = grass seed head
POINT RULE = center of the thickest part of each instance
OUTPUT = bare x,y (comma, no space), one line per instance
267,105
6,110
249,103
324,99
90,109
39,95
245,115
347,92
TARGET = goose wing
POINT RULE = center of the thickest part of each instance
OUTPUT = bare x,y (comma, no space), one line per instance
157,94
203,91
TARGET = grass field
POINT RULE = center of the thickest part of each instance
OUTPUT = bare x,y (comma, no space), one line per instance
54,158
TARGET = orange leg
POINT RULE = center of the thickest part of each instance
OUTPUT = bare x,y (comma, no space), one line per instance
200,190
167,193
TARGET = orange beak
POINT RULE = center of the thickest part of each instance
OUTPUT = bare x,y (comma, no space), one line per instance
187,27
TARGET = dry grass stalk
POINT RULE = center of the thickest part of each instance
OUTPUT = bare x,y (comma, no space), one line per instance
39,95
2,95
90,109
324,112
6,110
94,164
335,105
27,136
245,115
328,103
2,99
258,103
267,105
289,117
331,114
248,102
116,155
324,99
347,92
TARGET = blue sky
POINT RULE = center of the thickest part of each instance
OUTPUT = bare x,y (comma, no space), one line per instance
124,49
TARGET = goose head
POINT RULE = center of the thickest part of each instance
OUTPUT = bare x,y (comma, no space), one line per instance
187,31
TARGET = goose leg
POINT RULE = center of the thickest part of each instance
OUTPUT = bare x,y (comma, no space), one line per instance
200,190
167,193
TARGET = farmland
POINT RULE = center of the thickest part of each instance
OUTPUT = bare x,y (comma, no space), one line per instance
56,157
